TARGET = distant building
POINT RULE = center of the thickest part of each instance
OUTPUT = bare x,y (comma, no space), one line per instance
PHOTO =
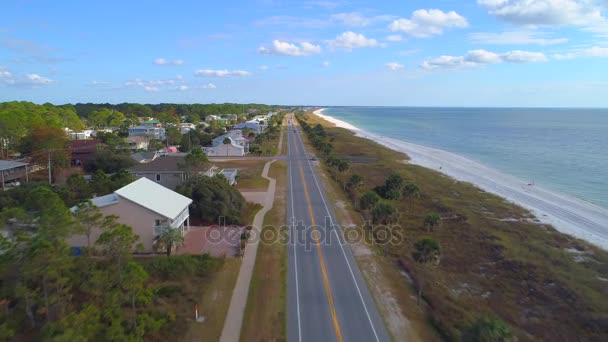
167,171
82,151
253,126
11,172
78,135
147,131
147,207
151,122
225,150
137,142
230,175
235,136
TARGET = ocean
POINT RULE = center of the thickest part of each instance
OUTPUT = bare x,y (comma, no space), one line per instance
564,150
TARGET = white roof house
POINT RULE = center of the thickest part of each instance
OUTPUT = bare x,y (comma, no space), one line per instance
147,207
155,197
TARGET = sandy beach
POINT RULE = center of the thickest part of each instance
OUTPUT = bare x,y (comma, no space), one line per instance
567,214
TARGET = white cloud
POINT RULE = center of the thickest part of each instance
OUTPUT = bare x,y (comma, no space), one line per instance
426,23
350,40
31,80
394,66
209,86
99,84
394,38
515,37
162,61
6,76
221,73
352,19
545,12
263,67
153,83
151,89
37,79
483,57
287,49
519,56
595,51
356,19
326,64
183,88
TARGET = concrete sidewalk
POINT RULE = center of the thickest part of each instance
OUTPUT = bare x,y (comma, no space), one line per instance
234,318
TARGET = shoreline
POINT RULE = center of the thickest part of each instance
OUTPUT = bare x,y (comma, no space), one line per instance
566,214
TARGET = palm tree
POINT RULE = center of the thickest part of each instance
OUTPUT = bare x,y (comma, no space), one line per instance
489,329
431,221
169,239
427,252
355,182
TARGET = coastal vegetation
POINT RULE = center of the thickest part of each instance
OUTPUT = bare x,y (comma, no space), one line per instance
495,271
102,293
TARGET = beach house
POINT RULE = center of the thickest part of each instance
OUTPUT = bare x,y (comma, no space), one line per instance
144,205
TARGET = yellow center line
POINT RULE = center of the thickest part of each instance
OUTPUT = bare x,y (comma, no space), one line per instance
330,297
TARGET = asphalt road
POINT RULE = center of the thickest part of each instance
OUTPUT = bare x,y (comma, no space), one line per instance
327,298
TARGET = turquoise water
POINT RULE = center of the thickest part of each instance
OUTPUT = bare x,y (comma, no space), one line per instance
565,150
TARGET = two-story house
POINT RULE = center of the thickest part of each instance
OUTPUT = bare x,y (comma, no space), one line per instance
144,205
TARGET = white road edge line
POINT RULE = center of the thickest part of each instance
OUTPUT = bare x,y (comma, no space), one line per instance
339,242
295,253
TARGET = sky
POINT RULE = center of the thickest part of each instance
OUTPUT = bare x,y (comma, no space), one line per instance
502,53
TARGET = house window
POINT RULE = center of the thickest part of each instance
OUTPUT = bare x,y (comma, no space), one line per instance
185,176
158,177
157,223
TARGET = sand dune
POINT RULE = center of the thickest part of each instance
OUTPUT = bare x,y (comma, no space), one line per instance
567,214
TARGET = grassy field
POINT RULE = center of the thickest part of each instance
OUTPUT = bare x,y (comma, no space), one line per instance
265,312
494,260
250,173
177,296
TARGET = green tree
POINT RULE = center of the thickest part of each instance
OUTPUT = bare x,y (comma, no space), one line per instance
212,198
47,143
88,218
227,141
427,252
411,190
384,213
170,239
355,182
488,329
392,188
368,200
195,161
431,221
78,187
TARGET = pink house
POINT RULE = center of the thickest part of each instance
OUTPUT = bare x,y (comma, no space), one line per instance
147,207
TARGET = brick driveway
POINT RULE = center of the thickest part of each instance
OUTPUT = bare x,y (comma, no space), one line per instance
218,241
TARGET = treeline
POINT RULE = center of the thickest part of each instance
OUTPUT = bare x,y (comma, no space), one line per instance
192,112
17,119
101,295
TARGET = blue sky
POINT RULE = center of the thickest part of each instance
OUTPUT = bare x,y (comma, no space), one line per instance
324,52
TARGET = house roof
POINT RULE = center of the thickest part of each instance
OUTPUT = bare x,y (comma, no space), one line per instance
155,197
141,156
162,164
83,146
9,164
136,139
